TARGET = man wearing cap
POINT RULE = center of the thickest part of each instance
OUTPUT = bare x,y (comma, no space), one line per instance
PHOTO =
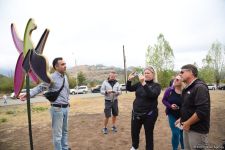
195,110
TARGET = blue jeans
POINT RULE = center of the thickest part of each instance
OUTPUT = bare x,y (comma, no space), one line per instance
177,134
60,127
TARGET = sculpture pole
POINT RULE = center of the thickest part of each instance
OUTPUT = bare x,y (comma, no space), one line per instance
29,110
31,64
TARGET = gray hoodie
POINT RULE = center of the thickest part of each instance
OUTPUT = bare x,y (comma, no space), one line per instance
110,96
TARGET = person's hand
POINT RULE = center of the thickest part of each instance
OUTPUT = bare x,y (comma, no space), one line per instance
186,126
142,79
131,76
23,96
174,107
177,121
109,91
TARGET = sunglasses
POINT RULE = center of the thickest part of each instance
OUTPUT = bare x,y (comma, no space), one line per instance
183,70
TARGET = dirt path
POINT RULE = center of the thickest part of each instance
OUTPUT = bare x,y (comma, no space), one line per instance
85,124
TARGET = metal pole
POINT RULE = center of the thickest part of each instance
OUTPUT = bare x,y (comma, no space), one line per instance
76,75
125,67
28,110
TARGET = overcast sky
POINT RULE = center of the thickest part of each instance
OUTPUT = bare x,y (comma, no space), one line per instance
94,31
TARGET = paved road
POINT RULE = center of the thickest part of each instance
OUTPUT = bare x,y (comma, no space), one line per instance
40,98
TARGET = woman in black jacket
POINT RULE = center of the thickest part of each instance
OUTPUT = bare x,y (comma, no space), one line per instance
145,109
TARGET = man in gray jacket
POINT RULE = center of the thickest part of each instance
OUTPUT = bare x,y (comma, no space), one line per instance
111,89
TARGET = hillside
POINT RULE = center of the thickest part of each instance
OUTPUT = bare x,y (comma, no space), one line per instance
1,76
97,72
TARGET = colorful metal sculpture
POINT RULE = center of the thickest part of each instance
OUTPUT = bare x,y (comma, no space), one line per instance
29,58
38,62
31,63
19,74
28,44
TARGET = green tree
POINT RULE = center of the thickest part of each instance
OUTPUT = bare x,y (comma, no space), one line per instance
6,84
164,77
161,57
81,78
51,70
92,83
72,82
217,54
206,73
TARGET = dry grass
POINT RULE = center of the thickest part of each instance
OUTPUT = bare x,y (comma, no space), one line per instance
86,121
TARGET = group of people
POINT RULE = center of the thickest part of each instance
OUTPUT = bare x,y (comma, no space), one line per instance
187,104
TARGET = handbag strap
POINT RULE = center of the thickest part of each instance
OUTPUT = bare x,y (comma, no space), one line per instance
62,86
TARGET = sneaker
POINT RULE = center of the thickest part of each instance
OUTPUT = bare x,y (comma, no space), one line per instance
114,129
132,148
105,131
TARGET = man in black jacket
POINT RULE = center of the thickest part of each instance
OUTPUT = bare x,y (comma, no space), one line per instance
195,110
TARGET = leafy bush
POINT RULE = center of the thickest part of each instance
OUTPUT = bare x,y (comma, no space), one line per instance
164,77
10,112
6,84
3,120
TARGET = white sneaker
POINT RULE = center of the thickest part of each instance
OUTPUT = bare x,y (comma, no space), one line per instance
132,148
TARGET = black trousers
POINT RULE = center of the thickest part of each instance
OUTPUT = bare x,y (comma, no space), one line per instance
148,120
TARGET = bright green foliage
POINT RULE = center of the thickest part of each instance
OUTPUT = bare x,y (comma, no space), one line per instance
6,84
161,57
81,78
216,60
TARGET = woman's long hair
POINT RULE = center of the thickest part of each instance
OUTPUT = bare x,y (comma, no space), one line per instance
151,68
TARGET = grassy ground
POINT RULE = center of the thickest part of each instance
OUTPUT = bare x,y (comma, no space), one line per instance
86,122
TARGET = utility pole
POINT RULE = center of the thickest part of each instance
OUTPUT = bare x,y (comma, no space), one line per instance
125,66
76,74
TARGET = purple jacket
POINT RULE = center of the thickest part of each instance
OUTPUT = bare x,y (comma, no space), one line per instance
165,98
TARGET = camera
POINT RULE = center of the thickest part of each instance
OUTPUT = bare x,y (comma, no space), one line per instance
137,74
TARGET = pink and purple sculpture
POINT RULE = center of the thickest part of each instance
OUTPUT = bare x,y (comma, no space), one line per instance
30,60
31,63
19,74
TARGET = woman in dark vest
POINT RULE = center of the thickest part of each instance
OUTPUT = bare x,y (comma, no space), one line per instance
145,111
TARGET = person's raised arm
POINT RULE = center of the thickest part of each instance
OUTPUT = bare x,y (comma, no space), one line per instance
130,87
36,90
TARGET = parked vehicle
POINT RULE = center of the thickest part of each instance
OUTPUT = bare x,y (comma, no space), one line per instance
221,87
79,90
211,86
96,89
123,87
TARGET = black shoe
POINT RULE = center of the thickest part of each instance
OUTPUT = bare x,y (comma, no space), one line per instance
105,131
114,129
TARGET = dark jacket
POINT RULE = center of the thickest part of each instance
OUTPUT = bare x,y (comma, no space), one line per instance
146,98
196,99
